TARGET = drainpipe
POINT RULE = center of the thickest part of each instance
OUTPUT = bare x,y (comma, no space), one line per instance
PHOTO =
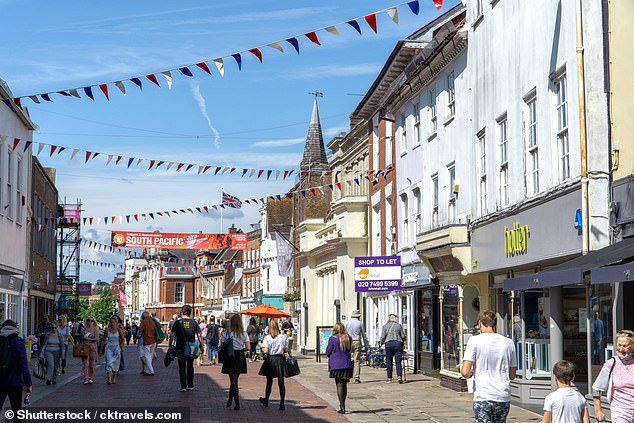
583,137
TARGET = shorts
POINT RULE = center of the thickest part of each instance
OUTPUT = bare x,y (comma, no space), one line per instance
490,411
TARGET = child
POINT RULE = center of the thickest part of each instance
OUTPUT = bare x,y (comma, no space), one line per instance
566,404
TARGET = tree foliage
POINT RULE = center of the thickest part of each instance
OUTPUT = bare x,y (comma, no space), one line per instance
104,308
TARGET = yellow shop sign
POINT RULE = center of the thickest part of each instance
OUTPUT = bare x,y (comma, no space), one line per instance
516,240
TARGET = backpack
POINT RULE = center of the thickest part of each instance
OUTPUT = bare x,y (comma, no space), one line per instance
6,355
212,333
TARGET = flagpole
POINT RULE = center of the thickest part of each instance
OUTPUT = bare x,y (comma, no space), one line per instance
221,191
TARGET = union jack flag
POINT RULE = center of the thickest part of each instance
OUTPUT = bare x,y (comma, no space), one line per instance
231,201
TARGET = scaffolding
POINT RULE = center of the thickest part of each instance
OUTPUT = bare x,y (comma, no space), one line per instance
68,246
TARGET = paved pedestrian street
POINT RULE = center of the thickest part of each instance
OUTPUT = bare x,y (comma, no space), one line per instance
311,397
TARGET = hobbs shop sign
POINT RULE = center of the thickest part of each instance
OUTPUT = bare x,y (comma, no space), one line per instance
375,274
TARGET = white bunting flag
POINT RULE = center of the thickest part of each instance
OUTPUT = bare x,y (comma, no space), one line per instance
332,30
120,219
169,165
276,46
251,173
138,162
39,149
75,151
109,159
168,77
220,65
74,93
121,87
200,169
393,13
277,174
35,99
224,170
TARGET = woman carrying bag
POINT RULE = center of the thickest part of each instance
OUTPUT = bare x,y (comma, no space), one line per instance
274,346
236,365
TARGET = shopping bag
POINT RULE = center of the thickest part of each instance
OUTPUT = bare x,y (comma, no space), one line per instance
39,370
81,350
225,353
292,367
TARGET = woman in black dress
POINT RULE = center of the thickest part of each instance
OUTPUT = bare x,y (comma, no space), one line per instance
236,365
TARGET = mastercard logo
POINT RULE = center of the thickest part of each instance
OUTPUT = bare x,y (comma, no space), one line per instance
364,273
119,239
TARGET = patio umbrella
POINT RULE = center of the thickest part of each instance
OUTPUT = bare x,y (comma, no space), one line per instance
264,310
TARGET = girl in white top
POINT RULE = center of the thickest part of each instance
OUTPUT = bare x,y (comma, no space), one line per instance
237,365
274,346
64,332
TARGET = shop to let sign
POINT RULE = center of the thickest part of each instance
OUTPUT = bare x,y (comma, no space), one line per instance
377,274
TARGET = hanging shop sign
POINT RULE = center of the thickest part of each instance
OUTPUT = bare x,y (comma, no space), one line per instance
377,274
179,240
84,289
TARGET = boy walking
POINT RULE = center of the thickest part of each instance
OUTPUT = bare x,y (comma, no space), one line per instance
566,404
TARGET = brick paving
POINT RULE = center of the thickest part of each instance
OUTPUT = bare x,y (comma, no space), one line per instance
207,401
311,396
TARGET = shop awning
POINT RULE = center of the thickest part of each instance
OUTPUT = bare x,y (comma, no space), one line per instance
605,266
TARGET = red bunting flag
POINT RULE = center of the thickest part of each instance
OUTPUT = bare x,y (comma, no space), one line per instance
257,53
53,148
152,78
118,159
438,4
260,172
371,20
88,153
64,93
17,102
313,37
204,67
151,164
179,166
16,141
104,90
339,185
136,217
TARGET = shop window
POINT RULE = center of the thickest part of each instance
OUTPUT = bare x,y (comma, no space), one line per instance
601,327
450,329
575,334
533,354
426,328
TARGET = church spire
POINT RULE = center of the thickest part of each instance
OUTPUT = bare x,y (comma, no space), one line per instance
314,151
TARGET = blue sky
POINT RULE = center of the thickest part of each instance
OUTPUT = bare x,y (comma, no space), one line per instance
256,118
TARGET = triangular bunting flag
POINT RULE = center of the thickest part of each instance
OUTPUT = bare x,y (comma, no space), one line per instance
393,14
415,6
333,30
46,97
257,53
34,99
152,78
238,60
130,160
138,82
168,77
27,145
88,91
244,171
88,153
371,20
185,70
119,85
293,41
276,46
438,4
179,166
189,167
16,141
313,37
353,23
204,67
74,153
104,90
220,65
53,148
118,160
109,159
268,174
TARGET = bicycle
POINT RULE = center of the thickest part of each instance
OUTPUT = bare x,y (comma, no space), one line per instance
376,357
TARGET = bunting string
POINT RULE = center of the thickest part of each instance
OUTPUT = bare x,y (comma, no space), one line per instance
205,66
155,164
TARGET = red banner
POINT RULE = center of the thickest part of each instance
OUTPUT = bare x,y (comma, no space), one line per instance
84,289
179,241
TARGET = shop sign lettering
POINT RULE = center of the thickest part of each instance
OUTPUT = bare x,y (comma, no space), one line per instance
516,240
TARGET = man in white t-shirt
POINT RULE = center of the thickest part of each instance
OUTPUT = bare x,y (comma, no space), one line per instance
490,359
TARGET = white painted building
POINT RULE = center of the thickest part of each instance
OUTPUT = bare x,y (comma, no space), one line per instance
15,203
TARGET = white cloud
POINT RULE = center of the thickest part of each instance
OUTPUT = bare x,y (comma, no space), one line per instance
335,71
279,143
202,106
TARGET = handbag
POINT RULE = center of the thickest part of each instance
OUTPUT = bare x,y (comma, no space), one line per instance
191,349
292,367
39,371
160,335
81,350
225,352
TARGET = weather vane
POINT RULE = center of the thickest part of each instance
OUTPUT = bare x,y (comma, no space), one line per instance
317,94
